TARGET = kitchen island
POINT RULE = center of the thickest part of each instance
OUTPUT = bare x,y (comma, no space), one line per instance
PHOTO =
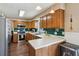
47,45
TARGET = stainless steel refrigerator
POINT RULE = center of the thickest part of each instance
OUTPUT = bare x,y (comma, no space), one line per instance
5,34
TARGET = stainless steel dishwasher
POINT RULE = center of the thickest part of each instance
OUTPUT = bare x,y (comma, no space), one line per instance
68,49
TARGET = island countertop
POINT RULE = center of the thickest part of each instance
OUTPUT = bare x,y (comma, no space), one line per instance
46,40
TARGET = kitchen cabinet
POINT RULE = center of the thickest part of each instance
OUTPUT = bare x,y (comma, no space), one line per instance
43,22
58,19
49,18
55,20
46,21
31,50
15,23
15,37
41,26
30,37
52,50
31,24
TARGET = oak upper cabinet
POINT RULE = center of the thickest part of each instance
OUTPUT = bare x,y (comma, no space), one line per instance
58,18
54,20
61,18
40,22
43,22
30,24
49,18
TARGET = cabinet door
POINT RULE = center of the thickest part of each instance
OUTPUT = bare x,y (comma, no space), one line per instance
61,18
42,51
40,22
32,24
49,17
58,19
31,50
15,38
53,50
52,21
43,22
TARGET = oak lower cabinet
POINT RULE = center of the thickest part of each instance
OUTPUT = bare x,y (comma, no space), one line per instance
29,36
15,38
52,50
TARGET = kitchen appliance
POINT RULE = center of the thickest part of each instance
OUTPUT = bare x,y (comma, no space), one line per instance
5,35
21,31
68,49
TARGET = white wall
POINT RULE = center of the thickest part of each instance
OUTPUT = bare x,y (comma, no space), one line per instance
72,36
72,9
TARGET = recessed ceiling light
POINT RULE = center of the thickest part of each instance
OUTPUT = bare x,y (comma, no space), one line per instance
38,8
21,13
52,11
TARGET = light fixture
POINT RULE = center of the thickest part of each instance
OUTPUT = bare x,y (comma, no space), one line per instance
21,13
38,8
52,11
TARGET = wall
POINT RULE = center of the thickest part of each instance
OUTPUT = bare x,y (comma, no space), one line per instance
72,9
72,36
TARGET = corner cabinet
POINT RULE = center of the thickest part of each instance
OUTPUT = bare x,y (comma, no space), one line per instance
58,18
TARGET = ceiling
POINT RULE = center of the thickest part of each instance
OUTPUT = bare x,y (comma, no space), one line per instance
12,9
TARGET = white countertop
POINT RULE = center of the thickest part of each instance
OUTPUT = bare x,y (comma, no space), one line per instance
45,41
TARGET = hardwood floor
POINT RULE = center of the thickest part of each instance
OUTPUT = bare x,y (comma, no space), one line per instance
18,49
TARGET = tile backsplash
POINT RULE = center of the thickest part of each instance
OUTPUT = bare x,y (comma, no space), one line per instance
55,31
